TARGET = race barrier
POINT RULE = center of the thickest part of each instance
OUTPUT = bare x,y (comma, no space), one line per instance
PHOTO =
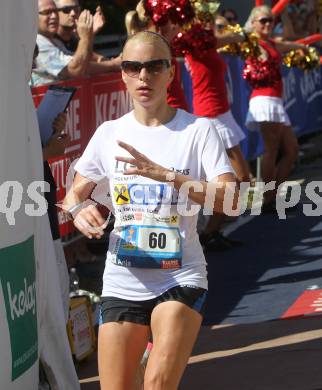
104,97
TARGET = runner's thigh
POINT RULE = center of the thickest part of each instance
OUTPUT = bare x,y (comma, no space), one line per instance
175,327
120,349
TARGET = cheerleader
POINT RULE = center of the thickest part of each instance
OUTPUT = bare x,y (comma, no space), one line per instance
266,110
210,99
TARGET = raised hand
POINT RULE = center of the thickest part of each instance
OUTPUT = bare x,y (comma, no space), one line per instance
98,20
142,165
85,25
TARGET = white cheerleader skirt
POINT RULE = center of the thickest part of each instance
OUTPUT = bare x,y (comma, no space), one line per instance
266,109
228,129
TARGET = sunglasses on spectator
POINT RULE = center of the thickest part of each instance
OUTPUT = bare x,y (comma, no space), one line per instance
231,19
47,12
69,8
265,20
220,26
133,68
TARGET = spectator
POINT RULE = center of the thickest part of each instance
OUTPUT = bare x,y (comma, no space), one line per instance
54,61
69,12
220,24
297,21
230,15
55,148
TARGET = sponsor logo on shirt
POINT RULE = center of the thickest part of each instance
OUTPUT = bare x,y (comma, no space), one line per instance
145,194
121,194
170,264
184,171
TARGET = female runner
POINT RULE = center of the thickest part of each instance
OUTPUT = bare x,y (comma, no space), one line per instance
155,273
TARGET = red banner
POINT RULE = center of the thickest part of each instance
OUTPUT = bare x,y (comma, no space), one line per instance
96,100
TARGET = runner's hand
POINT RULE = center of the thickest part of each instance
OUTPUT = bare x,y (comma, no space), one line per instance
142,165
90,222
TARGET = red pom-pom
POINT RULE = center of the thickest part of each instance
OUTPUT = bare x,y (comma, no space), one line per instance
175,11
194,41
261,73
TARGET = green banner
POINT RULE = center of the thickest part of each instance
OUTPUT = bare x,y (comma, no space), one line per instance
18,283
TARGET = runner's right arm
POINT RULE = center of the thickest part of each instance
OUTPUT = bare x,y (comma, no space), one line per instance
86,217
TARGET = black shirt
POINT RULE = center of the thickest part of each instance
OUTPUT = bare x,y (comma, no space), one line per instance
70,45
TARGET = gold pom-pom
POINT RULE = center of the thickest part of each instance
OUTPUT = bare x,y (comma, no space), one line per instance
205,11
232,48
248,48
304,61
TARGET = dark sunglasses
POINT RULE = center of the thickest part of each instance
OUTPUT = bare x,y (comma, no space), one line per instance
47,12
231,19
220,26
265,20
69,8
133,68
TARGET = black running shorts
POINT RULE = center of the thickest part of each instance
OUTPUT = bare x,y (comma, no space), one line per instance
117,309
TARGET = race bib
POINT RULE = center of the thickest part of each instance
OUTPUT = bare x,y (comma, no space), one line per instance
153,243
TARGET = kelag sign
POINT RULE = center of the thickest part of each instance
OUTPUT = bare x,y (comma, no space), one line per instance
18,285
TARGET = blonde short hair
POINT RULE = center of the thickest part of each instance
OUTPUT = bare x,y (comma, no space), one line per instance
150,37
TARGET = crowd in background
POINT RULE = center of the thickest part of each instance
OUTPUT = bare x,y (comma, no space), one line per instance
299,19
71,30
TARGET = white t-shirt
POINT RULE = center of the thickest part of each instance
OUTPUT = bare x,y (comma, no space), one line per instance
53,57
153,247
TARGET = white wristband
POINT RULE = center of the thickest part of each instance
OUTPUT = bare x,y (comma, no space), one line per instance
73,210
